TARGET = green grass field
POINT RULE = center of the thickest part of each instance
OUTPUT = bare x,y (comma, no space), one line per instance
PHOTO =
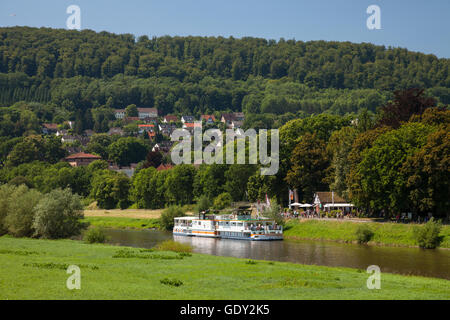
384,233
122,223
36,269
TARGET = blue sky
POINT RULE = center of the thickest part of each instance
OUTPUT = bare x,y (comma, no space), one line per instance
417,25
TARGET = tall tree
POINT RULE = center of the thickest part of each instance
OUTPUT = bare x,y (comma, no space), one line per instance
406,103
310,163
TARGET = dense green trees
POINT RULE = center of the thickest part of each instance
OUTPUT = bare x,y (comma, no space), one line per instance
61,54
405,104
88,70
395,161
309,164
236,178
45,177
404,169
99,143
322,95
146,192
26,212
127,150
339,147
222,201
428,174
210,180
110,189
58,215
179,184
48,148
21,211
380,166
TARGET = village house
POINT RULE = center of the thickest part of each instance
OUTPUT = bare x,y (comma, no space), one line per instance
190,126
150,120
142,113
81,159
146,127
187,119
163,146
170,118
119,113
115,130
83,140
147,113
209,119
239,116
235,124
329,200
49,128
67,138
166,128
227,118
128,170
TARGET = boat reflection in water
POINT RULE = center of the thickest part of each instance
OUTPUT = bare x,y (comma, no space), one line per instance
239,225
414,261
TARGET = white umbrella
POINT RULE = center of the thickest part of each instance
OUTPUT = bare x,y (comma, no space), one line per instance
301,205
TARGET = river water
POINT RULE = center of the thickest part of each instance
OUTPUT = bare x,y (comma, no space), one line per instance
410,261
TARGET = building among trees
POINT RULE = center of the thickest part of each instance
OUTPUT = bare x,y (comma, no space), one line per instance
81,159
329,200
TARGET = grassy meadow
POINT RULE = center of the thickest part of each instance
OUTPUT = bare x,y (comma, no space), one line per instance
36,269
126,213
122,223
396,234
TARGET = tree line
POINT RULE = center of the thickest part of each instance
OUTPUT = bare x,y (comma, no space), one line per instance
75,71
396,160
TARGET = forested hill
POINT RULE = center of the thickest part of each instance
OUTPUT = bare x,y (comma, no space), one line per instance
82,70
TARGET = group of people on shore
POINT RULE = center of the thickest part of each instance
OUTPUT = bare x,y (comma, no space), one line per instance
312,214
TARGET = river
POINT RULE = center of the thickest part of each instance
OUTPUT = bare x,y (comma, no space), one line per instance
409,261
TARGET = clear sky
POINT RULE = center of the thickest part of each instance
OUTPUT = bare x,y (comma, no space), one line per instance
418,25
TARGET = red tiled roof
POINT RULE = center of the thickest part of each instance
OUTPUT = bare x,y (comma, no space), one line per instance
208,116
83,155
192,125
171,118
328,197
164,167
151,134
132,119
147,110
51,126
228,116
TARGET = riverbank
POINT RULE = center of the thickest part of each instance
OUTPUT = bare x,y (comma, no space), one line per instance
36,269
122,222
385,233
126,213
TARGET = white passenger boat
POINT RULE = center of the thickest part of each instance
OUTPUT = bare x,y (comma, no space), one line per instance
233,226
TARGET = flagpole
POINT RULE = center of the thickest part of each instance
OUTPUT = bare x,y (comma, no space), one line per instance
290,201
